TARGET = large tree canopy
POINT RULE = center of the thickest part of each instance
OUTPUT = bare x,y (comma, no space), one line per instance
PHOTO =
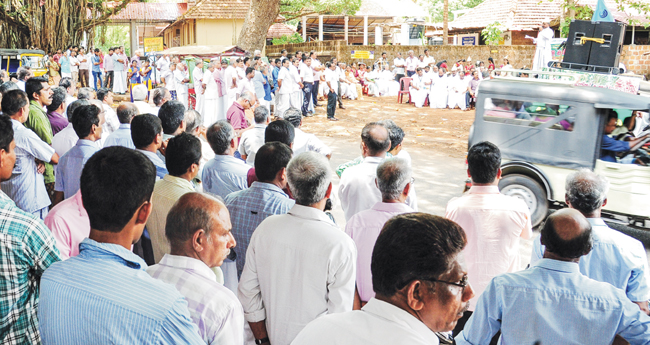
52,24
263,13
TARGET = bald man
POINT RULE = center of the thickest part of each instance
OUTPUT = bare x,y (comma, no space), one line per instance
122,136
198,229
552,302
358,190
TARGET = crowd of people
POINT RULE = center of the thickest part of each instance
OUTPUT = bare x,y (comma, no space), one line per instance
151,222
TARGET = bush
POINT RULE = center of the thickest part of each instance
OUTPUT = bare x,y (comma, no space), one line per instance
288,39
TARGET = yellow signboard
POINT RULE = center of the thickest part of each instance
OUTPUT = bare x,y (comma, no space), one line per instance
363,54
153,44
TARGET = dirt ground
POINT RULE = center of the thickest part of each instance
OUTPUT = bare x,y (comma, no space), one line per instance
442,130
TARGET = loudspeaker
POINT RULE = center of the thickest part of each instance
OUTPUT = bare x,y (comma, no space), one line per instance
607,54
576,52
591,53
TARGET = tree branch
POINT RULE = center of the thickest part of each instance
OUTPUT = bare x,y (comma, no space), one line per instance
20,25
105,17
296,16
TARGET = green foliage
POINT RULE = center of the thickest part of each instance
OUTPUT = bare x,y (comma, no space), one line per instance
492,34
436,8
113,36
292,9
288,39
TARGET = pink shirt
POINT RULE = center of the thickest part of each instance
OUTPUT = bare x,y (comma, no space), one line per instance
69,224
364,228
493,223
236,116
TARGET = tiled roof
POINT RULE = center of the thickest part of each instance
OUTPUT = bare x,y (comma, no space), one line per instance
151,11
512,14
218,9
278,30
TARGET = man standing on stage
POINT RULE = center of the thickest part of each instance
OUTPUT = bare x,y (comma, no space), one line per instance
543,41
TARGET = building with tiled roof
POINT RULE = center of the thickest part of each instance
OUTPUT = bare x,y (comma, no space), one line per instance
278,30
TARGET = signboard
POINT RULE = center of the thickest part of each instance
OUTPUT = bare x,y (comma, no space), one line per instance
363,54
153,44
468,39
557,54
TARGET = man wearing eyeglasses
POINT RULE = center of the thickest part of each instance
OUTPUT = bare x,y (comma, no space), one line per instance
394,181
236,114
552,302
420,288
492,221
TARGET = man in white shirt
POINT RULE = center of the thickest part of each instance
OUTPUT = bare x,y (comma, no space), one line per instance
286,85
181,78
293,276
67,137
492,221
302,141
162,64
400,65
357,189
332,80
84,63
197,81
231,83
307,77
169,80
421,288
198,229
418,90
296,94
318,68
411,64
428,59
105,96
119,73
210,89
458,91
74,67
139,94
253,139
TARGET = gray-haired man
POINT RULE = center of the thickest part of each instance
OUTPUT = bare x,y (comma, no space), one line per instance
615,258
292,276
394,182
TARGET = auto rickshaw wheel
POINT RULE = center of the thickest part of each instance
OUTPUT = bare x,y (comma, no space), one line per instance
528,190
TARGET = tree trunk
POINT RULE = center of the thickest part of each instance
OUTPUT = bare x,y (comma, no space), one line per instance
445,23
259,19
572,12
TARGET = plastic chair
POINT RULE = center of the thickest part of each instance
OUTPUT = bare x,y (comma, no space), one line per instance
404,88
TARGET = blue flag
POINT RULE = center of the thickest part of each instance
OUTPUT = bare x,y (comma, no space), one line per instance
602,14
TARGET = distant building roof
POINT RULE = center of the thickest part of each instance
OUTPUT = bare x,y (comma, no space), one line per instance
151,11
512,14
218,9
278,30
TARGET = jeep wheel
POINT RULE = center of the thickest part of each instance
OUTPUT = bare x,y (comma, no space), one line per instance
528,190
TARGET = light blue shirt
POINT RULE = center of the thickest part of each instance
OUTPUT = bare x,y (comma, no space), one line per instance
104,296
615,258
161,168
121,137
258,84
68,171
95,59
26,186
248,208
224,174
552,302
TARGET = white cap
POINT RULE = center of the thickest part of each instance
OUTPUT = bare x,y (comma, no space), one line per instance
454,68
469,59
546,20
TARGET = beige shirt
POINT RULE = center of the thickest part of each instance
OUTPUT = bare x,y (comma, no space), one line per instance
165,193
493,223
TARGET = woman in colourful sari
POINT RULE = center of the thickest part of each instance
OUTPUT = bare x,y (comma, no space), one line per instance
133,74
145,74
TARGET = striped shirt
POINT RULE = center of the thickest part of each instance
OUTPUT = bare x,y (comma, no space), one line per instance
27,248
68,171
26,186
213,308
104,296
165,194
225,174
248,208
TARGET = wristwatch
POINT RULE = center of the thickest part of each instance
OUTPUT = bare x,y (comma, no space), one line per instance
262,341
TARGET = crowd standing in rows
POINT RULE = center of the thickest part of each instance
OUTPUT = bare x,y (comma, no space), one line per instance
151,222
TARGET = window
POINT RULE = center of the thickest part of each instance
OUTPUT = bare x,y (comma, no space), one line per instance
529,114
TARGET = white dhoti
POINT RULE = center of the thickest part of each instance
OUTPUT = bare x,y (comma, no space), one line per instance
183,98
296,99
211,108
457,99
282,103
230,98
222,108
200,100
373,89
393,88
119,84
351,91
418,97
